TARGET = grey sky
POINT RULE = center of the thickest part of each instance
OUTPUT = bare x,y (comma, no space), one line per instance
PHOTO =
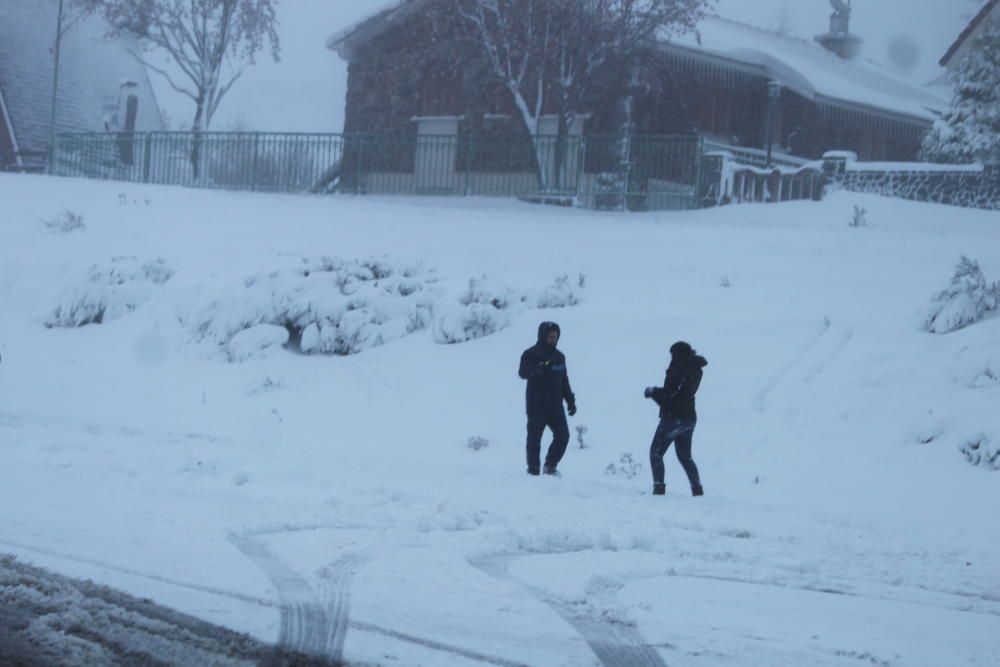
305,91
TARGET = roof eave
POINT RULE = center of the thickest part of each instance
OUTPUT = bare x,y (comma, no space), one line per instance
969,29
346,42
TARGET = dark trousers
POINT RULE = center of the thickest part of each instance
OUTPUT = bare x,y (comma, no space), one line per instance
537,422
672,431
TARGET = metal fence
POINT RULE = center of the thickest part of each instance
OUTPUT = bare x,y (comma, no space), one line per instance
604,172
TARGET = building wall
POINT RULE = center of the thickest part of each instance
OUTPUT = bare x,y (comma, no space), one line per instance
387,87
961,52
92,70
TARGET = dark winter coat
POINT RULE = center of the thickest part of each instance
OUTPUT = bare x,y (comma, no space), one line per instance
676,396
544,367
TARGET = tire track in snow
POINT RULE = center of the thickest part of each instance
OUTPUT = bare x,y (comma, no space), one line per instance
307,625
314,628
614,644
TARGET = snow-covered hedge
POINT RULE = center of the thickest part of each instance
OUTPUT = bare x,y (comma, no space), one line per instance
106,292
327,306
967,300
486,307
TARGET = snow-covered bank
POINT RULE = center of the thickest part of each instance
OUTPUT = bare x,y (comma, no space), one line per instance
829,437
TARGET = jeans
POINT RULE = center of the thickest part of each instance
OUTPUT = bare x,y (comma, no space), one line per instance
672,431
537,422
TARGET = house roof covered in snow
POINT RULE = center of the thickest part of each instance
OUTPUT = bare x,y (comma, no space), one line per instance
801,65
94,72
391,13
809,69
989,8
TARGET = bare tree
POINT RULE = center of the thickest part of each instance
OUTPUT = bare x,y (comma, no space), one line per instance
783,23
209,44
546,53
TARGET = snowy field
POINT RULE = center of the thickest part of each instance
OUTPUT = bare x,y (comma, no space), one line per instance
172,448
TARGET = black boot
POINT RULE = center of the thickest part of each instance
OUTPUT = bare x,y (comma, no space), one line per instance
551,470
659,489
533,471
697,491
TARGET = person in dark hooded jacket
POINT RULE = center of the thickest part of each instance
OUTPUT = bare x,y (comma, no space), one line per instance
544,367
677,415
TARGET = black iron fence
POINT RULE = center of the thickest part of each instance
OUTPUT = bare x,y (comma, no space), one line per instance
605,172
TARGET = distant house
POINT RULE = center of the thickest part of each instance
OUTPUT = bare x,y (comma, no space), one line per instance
102,87
715,83
990,11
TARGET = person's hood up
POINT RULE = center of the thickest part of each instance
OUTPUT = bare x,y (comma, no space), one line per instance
545,328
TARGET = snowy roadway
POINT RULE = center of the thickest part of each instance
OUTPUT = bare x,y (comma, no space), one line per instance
331,505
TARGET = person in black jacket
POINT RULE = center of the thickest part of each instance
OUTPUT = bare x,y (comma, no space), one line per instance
544,367
677,415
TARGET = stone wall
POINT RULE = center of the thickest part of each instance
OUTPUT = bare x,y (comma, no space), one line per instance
969,186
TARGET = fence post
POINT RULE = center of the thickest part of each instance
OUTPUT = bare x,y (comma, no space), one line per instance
470,151
699,199
256,150
147,156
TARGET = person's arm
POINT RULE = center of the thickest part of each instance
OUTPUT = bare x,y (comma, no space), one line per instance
568,394
530,366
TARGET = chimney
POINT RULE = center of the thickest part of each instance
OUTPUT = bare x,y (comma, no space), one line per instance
839,39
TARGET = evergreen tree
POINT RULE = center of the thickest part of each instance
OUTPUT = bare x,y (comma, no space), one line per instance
970,130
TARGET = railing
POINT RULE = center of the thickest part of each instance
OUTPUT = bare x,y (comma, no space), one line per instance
756,157
606,172
23,161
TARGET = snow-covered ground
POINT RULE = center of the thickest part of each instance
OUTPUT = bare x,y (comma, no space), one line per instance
332,502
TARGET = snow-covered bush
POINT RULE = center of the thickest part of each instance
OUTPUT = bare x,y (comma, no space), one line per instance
256,342
979,451
486,307
65,221
967,300
106,292
326,306
627,466
477,442
860,217
483,309
560,294
581,431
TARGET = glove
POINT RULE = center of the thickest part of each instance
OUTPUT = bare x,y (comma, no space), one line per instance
572,409
649,392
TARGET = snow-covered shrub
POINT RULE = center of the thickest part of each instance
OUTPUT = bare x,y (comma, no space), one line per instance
256,342
476,443
979,451
725,283
860,217
483,309
486,307
967,300
581,431
65,221
327,305
627,466
560,294
106,292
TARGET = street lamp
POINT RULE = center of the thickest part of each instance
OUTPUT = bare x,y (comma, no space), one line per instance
773,95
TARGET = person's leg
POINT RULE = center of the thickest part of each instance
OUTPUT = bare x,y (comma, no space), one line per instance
661,443
560,439
684,457
536,426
